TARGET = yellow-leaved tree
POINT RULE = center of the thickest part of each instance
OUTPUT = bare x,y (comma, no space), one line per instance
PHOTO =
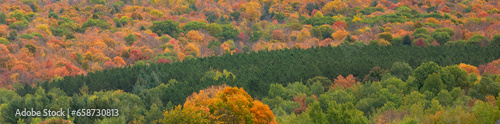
251,11
383,42
334,5
194,35
191,48
221,104
303,35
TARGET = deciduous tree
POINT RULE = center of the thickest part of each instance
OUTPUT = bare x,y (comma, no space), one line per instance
192,49
119,61
194,35
130,39
222,104
277,35
340,34
386,36
322,32
441,37
401,70
251,10
422,72
469,68
169,27
346,82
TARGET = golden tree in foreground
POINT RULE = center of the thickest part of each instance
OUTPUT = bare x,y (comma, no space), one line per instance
221,104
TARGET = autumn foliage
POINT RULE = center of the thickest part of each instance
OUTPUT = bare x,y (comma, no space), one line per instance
492,68
223,104
469,68
58,42
346,82
195,36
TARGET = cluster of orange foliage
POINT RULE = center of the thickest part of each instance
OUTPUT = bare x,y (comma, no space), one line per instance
469,68
346,82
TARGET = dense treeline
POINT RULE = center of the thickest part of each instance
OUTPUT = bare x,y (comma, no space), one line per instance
429,93
255,72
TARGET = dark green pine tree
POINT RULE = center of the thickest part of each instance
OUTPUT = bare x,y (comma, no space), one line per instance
407,40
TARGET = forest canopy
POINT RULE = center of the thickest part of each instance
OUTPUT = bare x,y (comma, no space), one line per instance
260,61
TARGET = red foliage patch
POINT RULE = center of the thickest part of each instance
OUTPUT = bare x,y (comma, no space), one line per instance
340,23
162,60
302,101
420,42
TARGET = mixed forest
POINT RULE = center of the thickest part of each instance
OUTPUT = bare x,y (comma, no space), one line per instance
252,61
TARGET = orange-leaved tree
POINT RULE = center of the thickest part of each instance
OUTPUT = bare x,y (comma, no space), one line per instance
346,82
221,104
194,35
251,11
119,61
4,50
469,68
192,49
